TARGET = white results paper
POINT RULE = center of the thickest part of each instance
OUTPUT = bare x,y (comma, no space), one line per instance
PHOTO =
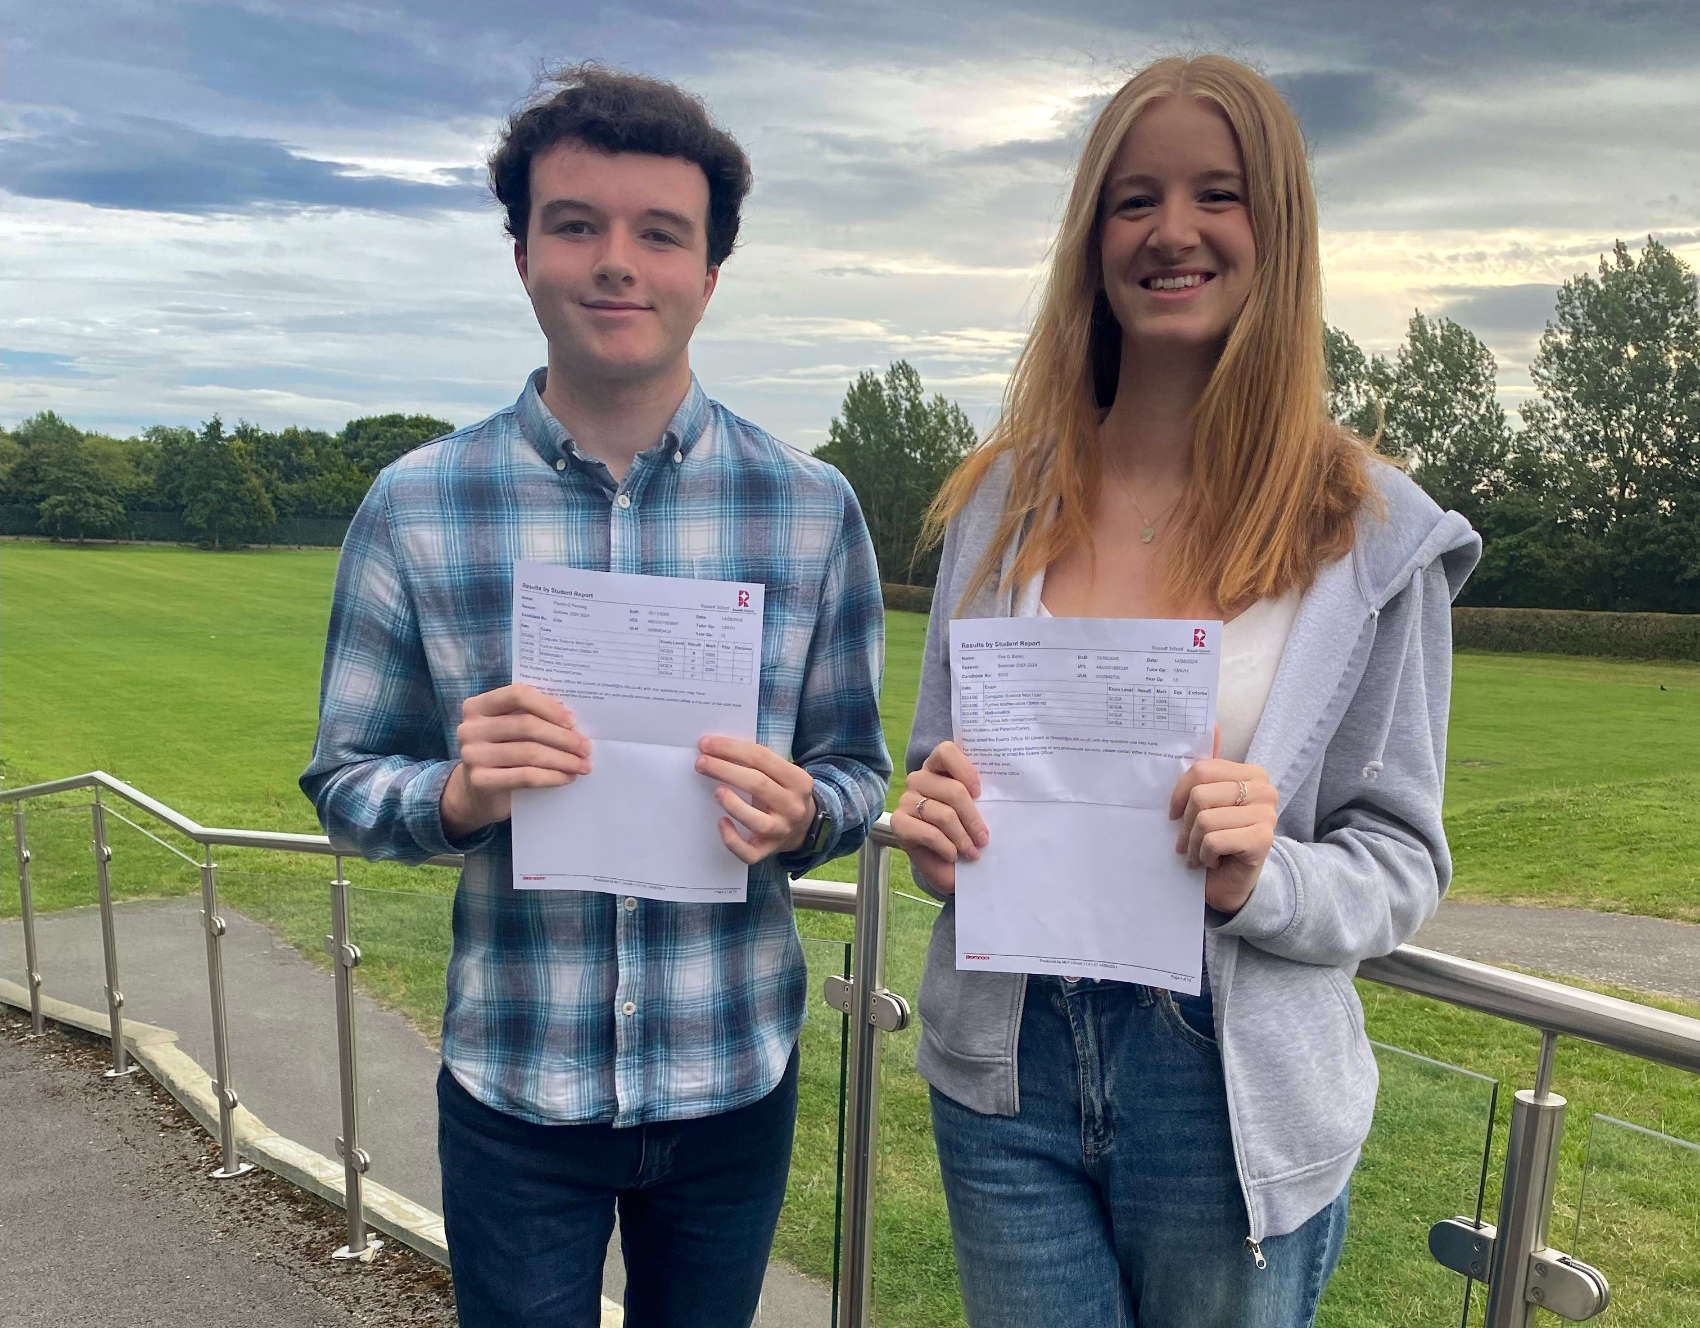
648,665
1079,728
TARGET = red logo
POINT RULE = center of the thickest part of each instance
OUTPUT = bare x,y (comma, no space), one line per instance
1198,636
743,599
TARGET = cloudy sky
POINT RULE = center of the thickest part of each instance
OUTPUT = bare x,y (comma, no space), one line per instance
273,209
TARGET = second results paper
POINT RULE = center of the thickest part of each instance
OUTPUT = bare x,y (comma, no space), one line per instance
1079,728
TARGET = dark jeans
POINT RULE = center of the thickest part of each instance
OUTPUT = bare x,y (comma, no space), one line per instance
529,1210
1111,1198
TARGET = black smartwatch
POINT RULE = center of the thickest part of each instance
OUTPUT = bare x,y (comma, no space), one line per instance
818,837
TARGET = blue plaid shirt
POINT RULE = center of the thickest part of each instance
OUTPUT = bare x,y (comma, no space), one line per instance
567,1006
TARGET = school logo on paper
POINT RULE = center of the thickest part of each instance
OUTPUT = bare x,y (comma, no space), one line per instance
1197,636
743,599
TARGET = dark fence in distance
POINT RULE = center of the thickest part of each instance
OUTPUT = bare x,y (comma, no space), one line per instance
168,528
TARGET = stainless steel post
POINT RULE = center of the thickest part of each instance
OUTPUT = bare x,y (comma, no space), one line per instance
855,1305
213,925
109,942
26,912
346,955
1525,1203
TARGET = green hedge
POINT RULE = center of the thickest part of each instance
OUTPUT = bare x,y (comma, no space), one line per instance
907,599
1574,632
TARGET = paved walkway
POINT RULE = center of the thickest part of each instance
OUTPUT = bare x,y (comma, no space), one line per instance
281,1012
109,1217
1648,954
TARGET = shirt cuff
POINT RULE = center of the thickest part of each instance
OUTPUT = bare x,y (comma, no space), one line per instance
422,811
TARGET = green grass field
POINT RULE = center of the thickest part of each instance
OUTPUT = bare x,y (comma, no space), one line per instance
194,676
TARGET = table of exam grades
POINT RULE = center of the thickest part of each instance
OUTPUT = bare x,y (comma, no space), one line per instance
636,640
1062,689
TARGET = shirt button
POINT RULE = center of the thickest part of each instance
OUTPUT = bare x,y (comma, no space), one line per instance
678,456
628,1009
560,463
624,500
630,904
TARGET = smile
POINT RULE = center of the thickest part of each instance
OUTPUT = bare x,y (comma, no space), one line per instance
1188,282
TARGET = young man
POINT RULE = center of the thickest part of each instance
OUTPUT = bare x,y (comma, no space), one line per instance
598,1050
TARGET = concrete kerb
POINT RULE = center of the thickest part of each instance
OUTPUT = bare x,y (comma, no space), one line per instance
156,1050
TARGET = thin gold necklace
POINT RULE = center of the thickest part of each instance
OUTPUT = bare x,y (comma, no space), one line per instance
1149,531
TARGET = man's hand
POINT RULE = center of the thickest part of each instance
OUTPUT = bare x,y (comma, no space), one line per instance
780,797
511,738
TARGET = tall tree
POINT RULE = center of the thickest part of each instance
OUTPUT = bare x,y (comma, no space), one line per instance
224,502
896,448
1444,417
1618,372
1358,385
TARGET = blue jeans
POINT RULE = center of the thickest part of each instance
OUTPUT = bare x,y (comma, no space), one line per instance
1111,1199
529,1210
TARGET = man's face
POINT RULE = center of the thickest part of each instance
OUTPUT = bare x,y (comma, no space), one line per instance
616,261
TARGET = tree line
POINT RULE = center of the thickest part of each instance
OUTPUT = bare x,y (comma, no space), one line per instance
226,487
1592,503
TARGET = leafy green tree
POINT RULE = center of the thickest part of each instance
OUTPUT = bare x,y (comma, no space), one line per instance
224,502
1444,418
896,448
10,451
1618,372
77,482
1358,385
371,443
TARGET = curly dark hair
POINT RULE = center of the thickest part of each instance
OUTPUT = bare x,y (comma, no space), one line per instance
612,111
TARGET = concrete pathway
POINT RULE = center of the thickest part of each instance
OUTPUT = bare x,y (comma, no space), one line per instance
281,1012
109,1217
1648,954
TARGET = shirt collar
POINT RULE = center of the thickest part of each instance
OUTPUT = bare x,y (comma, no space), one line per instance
553,443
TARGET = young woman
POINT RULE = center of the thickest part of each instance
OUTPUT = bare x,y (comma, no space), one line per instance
1118,1154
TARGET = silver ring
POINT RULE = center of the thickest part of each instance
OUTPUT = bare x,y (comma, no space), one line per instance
1242,795
917,812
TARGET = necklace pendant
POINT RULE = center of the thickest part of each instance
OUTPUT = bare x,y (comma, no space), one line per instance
1148,534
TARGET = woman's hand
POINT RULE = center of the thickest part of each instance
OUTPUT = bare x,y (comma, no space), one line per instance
1227,815
936,821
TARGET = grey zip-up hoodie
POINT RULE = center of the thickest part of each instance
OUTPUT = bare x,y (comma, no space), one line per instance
1353,735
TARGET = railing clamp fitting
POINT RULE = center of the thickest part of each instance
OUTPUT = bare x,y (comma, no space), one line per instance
348,954
115,998
362,1160
213,923
226,1096
1568,1287
26,857
887,1011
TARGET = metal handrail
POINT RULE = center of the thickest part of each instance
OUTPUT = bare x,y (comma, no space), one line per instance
1554,1008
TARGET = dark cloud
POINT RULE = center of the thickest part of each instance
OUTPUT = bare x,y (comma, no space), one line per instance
1492,310
1337,107
148,165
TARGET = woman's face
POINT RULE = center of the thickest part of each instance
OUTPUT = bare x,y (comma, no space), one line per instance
1177,249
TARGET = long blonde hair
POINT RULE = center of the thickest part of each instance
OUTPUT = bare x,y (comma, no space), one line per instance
1274,482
